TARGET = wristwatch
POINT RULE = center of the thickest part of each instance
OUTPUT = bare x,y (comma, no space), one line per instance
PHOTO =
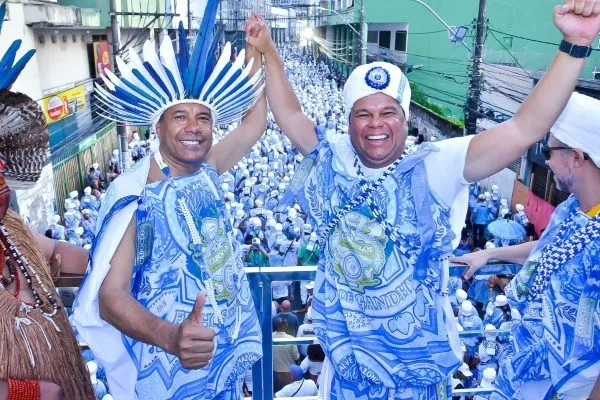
574,50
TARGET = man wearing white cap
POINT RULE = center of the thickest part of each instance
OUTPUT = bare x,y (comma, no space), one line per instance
497,311
554,350
389,216
470,321
520,215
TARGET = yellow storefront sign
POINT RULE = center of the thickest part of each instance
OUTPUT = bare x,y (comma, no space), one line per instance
63,104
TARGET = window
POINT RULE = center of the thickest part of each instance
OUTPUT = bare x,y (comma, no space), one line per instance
384,39
400,41
372,37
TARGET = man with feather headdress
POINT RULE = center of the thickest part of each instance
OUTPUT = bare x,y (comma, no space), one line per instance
165,305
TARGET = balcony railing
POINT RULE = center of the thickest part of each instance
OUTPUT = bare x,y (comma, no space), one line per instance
260,280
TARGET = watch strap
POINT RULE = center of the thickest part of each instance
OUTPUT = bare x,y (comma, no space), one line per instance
575,50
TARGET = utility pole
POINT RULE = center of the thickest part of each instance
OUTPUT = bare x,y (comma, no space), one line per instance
116,46
473,98
363,34
189,17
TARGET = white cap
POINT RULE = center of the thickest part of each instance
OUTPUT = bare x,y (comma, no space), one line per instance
310,285
87,246
490,245
489,376
86,211
256,241
96,165
489,327
377,77
279,227
495,188
115,152
515,314
578,126
461,296
87,190
292,213
92,368
520,207
225,187
258,203
313,235
79,231
501,300
466,308
56,218
464,368
108,397
487,195
73,194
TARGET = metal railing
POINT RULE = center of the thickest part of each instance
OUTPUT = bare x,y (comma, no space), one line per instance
260,281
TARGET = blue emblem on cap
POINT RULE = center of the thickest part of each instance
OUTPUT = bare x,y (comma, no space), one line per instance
378,78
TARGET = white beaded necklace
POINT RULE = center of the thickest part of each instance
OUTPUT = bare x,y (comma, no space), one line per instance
562,250
209,283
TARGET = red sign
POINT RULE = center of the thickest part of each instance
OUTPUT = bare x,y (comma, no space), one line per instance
101,57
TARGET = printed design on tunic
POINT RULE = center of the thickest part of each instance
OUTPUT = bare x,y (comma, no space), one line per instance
358,249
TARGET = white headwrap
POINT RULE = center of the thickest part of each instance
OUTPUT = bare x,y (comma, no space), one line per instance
579,126
377,77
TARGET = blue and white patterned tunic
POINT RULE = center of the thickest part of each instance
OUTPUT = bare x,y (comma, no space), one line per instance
168,275
555,351
385,333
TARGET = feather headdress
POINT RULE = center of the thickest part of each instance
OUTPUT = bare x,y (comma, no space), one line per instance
10,67
23,129
151,83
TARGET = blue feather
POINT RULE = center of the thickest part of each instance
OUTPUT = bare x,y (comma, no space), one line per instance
227,85
197,65
2,13
9,58
225,69
16,69
235,89
126,97
173,83
140,92
212,59
157,79
142,79
183,56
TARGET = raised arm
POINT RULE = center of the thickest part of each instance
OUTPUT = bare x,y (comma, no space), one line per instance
229,151
493,150
282,99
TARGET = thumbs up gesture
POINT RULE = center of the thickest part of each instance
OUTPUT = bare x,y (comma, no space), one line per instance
194,344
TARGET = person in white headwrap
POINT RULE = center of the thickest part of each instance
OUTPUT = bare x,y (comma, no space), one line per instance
520,215
364,189
556,282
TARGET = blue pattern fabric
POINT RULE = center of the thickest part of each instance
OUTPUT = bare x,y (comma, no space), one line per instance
168,275
556,348
385,333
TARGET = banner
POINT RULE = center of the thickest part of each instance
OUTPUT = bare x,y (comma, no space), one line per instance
101,57
63,104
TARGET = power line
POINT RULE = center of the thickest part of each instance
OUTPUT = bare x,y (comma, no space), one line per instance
511,54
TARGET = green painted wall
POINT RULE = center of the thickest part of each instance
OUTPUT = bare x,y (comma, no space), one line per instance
444,73
102,5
